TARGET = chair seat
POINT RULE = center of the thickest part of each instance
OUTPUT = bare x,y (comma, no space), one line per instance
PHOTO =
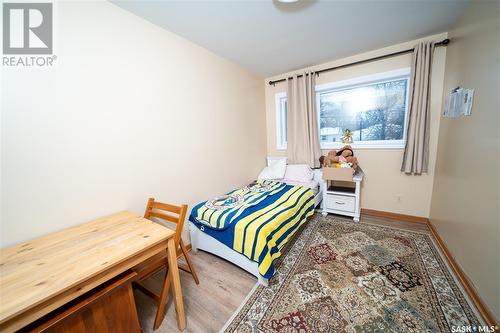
151,266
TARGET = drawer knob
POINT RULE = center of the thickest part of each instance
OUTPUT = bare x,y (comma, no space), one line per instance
339,203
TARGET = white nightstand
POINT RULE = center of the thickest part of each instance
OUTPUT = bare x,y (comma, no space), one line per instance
343,201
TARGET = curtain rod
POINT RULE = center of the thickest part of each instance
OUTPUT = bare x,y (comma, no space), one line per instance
444,42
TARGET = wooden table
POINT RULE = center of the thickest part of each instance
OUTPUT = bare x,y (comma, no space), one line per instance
41,275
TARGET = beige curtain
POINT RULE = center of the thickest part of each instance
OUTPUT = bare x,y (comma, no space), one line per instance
302,121
416,155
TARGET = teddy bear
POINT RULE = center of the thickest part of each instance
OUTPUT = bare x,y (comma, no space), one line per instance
352,161
342,158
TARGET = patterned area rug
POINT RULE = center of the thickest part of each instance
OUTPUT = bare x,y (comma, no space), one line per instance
341,276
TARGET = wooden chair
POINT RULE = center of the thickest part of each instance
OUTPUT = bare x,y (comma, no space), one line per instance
177,215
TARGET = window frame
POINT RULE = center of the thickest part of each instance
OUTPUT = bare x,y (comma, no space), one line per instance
403,73
362,81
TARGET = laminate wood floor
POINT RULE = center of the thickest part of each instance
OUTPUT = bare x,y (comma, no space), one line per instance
223,286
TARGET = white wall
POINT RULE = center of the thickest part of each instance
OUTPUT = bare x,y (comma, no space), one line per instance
129,111
384,187
465,201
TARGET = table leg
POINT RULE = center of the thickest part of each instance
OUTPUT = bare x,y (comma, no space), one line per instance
173,271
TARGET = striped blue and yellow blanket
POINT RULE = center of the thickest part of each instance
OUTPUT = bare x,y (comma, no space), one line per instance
256,220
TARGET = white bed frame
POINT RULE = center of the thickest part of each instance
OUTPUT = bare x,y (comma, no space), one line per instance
202,241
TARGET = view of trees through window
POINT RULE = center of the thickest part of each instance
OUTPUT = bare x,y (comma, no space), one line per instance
372,112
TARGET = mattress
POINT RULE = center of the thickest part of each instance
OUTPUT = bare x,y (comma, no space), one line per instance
313,184
258,224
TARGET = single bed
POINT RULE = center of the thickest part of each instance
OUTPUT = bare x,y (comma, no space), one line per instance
252,236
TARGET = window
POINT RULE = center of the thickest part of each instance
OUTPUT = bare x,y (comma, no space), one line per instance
374,108
281,119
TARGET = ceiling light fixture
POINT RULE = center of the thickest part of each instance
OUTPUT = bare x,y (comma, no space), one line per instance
288,1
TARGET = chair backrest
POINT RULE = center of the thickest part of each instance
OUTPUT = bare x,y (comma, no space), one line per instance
167,212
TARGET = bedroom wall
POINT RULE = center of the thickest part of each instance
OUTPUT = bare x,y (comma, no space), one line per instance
384,188
129,111
465,200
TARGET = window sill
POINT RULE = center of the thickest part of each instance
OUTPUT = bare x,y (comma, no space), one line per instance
363,146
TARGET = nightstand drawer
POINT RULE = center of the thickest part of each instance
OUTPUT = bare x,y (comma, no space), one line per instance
340,202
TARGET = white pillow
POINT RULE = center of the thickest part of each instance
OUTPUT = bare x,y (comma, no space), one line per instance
299,173
275,170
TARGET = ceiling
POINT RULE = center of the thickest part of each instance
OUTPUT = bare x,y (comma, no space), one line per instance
268,37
